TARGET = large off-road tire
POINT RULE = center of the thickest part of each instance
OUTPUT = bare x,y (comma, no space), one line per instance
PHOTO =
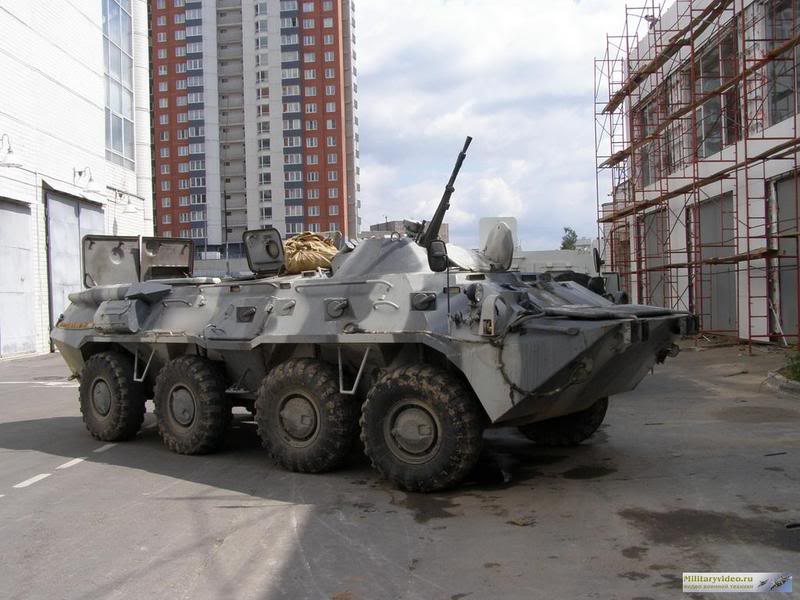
112,403
305,424
569,430
422,428
192,411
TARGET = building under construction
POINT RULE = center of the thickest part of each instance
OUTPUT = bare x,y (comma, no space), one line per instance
696,135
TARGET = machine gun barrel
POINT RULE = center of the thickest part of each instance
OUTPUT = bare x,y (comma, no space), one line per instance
431,232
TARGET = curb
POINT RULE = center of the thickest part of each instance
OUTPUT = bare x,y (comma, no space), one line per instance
778,383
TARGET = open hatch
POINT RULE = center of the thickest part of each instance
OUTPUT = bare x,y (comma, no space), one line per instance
110,259
264,249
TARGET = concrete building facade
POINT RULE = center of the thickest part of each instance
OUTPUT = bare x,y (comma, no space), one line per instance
697,116
74,150
254,120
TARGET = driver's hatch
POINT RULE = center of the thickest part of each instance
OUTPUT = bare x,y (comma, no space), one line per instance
111,259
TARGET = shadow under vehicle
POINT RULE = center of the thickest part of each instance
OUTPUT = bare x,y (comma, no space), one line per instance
412,345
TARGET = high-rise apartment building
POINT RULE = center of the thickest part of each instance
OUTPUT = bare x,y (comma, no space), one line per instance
253,118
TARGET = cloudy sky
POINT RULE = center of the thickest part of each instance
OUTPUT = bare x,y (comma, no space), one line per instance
517,75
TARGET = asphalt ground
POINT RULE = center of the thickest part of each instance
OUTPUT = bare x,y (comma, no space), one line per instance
696,470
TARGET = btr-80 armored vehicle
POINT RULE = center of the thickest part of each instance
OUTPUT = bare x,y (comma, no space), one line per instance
415,345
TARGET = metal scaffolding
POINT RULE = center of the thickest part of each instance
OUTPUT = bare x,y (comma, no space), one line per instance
696,145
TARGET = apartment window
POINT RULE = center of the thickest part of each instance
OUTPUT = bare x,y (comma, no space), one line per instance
263,144
163,119
330,123
333,193
160,21
330,141
310,74
164,169
197,215
311,108
183,151
782,26
312,176
197,165
291,107
333,226
161,4
291,90
333,210
166,234
289,22
290,56
312,159
183,184
327,22
330,107
163,70
308,40
313,194
308,23
118,55
289,39
163,136
183,201
327,39
333,159
310,90
291,124
327,5
164,152
293,73
330,90
293,159
180,84
183,217
313,211
163,103
329,73
198,232
193,14
263,127
266,212
194,48
162,53
183,168
308,7
309,57
184,233
292,141
180,35
195,63
197,148
288,5
181,101
329,56
166,219
161,37
333,176
264,178
183,117
313,227
312,142
293,176
180,51
166,202
311,125
262,42
198,198
294,211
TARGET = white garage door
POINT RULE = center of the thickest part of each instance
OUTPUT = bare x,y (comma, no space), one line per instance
68,221
16,280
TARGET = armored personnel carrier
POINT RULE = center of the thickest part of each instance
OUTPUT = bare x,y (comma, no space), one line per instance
413,345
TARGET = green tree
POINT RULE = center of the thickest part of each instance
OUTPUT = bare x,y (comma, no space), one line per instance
568,239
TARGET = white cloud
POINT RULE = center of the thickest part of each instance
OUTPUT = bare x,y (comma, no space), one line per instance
517,75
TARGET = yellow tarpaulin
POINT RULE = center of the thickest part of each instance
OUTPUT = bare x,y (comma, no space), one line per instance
307,252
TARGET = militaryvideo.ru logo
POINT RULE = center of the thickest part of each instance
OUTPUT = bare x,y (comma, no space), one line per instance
737,582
